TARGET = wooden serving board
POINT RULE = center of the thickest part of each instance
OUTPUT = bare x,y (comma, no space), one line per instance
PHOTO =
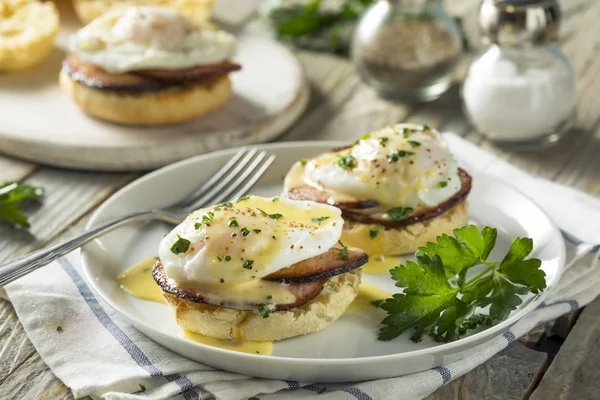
39,122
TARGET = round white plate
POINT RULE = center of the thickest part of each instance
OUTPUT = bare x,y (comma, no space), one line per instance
39,122
346,351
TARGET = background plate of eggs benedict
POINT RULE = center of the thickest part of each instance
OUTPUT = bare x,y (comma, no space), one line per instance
269,285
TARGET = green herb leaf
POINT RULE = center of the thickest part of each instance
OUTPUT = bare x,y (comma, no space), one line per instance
399,213
180,246
256,230
266,308
442,184
272,216
245,231
243,198
222,280
275,199
13,195
142,388
397,155
302,161
208,217
233,223
248,264
319,219
373,233
344,251
435,304
227,258
346,162
383,140
377,303
197,225
414,143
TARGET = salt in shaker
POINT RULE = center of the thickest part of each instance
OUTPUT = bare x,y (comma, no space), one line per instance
520,92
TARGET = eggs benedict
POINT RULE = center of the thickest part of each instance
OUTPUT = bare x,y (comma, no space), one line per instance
398,188
148,66
258,269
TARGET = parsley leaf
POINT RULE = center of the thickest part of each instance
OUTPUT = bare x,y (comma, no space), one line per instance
208,217
319,219
272,216
180,246
399,213
442,184
248,264
243,198
12,197
434,303
197,225
397,155
414,143
346,162
373,233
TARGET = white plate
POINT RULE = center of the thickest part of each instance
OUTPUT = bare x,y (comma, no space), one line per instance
346,351
270,92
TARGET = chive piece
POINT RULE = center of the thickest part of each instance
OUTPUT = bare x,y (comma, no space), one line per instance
442,184
245,231
275,199
396,156
248,264
219,258
425,127
181,245
383,140
227,258
319,219
399,213
344,251
233,223
256,230
373,233
414,143
222,280
243,198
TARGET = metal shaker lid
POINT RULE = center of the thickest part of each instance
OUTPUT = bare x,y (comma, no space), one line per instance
519,23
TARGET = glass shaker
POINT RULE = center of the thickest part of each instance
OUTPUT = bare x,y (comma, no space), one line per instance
520,92
407,49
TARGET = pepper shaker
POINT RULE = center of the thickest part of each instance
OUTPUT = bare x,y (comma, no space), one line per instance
407,49
520,92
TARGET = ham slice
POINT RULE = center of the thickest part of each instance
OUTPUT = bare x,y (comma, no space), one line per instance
356,210
324,266
191,74
303,291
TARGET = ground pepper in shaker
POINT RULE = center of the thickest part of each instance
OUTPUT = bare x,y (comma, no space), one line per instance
520,92
407,49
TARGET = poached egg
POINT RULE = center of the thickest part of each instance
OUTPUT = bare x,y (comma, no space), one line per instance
403,165
138,38
248,239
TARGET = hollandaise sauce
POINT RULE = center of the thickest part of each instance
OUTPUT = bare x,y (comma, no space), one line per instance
244,346
366,294
380,265
137,280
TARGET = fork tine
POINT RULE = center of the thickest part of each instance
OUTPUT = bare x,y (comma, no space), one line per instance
225,179
252,180
216,178
231,187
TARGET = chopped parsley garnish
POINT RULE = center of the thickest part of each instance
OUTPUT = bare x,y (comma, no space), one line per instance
142,388
303,161
383,140
373,233
197,225
180,246
243,198
442,184
269,297
275,199
227,258
363,137
425,127
377,303
414,143
344,251
222,280
208,217
256,230
245,231
440,301
272,216
397,155
346,162
223,204
59,328
265,309
319,219
233,223
399,213
219,258
248,264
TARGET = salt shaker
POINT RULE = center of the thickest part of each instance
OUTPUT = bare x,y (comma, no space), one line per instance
520,92
407,49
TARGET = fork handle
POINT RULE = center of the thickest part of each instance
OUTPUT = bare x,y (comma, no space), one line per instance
32,261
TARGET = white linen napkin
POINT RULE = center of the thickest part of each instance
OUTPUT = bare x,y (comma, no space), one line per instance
95,352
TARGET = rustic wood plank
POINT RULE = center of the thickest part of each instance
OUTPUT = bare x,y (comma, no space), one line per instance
575,372
507,376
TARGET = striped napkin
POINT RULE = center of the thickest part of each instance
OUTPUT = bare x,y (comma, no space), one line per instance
95,352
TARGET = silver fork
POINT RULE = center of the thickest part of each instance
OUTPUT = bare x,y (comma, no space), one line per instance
232,181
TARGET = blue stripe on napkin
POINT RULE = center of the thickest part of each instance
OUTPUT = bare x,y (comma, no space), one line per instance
187,387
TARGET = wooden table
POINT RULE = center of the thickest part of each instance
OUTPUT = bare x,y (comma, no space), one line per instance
561,360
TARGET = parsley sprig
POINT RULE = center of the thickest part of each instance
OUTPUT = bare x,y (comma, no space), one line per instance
12,197
439,300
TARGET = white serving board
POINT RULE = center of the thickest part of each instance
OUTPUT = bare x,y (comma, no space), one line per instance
40,123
